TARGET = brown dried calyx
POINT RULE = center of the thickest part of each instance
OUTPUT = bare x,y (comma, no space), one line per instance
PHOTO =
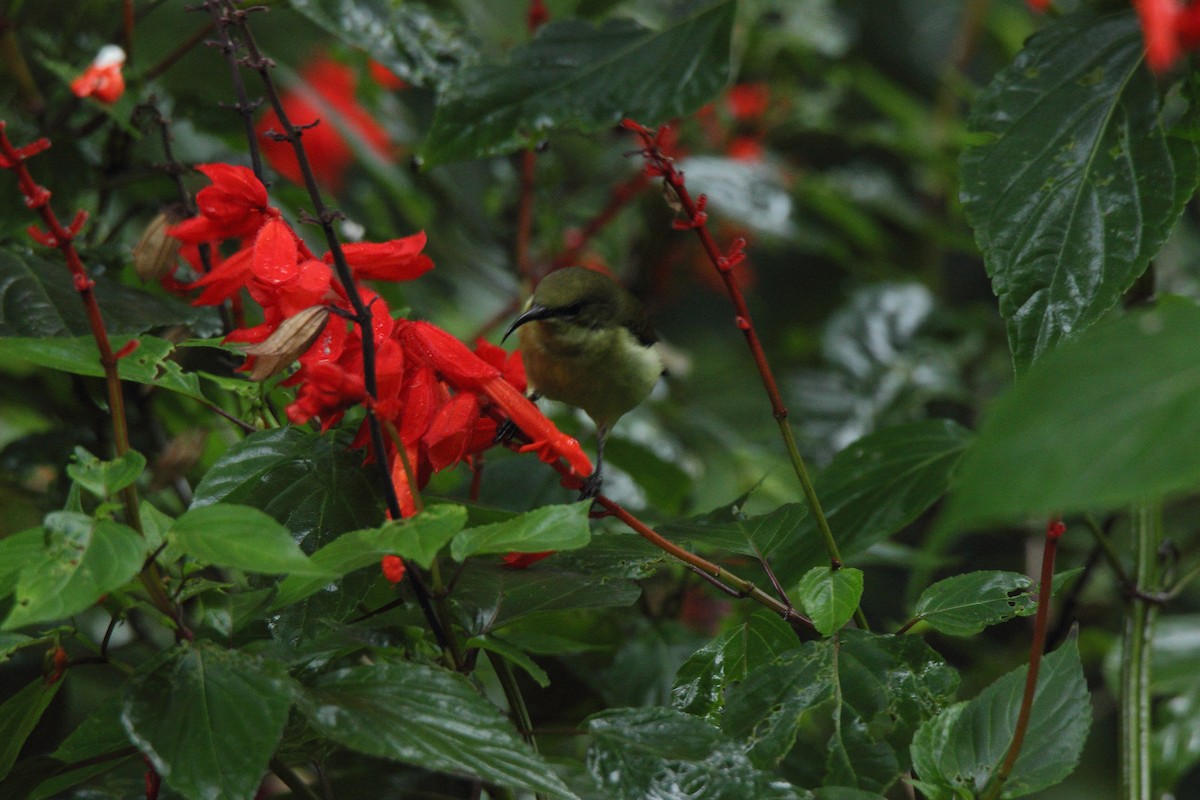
289,341
157,252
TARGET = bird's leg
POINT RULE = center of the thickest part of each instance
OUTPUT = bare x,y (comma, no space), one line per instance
591,486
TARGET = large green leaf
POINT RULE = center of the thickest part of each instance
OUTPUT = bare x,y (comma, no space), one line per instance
1107,420
105,478
38,299
958,750
316,488
727,528
425,716
423,46
310,484
574,75
851,703
418,538
209,719
18,716
240,537
80,559
1076,183
150,363
700,684
661,752
547,528
491,596
871,490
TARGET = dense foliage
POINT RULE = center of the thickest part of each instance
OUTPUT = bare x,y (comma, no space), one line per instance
279,520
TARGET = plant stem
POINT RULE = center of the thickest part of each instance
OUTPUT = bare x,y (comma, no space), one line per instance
1136,655
658,163
292,780
1040,623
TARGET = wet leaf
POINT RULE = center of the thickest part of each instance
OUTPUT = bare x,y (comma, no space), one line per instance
1076,182
436,720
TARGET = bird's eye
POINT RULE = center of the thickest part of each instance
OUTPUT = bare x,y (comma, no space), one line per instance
572,310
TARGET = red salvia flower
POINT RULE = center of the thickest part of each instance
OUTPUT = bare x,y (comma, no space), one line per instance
233,207
327,94
103,79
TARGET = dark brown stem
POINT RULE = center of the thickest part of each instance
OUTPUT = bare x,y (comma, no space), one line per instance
227,16
185,47
619,198
1041,622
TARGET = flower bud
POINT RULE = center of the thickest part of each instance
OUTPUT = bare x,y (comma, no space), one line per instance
289,341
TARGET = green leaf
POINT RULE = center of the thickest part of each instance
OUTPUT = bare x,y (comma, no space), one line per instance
963,605
425,716
418,538
80,559
239,537
1105,421
18,716
565,78
700,684
420,44
11,642
38,299
490,596
208,719
872,489
1176,748
150,363
317,489
959,749
94,743
311,484
830,596
726,528
661,752
105,478
1076,184
548,528
851,703
16,552
513,654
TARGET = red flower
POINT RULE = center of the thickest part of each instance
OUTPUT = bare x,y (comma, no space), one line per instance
393,568
523,560
450,431
327,95
385,77
102,80
233,207
395,260
748,101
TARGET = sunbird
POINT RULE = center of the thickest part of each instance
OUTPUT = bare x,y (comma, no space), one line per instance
586,341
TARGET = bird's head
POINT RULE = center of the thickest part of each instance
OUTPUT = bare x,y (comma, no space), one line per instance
586,299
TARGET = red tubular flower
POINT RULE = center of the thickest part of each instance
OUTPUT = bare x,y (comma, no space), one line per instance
1159,19
395,260
103,79
465,371
385,77
451,431
233,207
327,95
392,568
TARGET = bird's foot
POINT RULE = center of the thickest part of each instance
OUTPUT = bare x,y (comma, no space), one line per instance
591,486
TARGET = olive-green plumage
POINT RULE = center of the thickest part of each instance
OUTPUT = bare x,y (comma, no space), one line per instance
586,341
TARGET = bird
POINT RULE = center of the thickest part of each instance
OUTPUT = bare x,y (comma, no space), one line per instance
587,341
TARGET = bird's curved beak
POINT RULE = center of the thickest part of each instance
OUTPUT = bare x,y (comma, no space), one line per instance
534,312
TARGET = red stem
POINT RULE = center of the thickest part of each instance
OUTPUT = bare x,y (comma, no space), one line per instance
1054,531
620,197
38,199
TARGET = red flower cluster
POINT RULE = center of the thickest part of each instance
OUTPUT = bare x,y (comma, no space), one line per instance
437,398
326,94
103,79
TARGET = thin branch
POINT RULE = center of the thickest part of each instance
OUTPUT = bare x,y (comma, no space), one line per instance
1054,531
227,16
696,220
